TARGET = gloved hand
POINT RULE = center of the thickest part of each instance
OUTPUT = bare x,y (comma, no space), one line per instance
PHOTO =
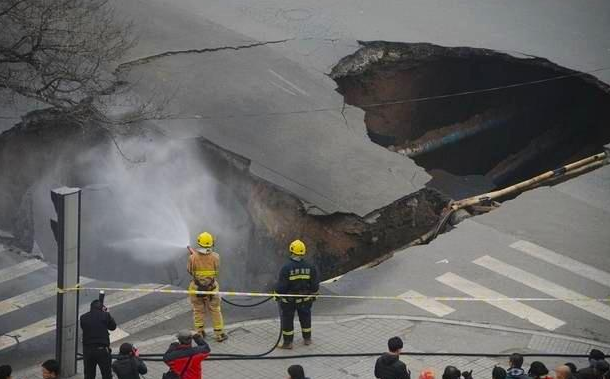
467,374
198,339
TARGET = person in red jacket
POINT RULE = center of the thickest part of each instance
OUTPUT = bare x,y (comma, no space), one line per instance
183,358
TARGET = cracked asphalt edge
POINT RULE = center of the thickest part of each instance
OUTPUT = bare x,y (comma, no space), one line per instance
150,58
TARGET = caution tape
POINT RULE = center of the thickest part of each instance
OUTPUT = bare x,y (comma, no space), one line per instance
320,296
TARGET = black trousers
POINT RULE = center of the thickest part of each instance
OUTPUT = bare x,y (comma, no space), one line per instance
97,356
288,310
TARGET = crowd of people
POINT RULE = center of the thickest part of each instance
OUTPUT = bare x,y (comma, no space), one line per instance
184,359
389,366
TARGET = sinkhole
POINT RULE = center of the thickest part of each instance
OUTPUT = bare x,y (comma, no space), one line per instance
460,111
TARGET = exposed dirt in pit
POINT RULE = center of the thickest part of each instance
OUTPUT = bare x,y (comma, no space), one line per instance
263,218
524,130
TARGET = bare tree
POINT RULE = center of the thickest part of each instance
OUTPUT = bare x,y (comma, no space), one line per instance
60,52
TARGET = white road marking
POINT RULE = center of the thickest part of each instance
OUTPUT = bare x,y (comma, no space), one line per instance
429,305
567,263
545,286
150,319
292,85
513,307
283,88
20,269
31,297
48,324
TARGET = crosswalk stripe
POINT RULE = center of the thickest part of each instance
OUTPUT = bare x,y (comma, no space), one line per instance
150,319
31,297
48,324
545,286
429,305
20,269
564,262
513,307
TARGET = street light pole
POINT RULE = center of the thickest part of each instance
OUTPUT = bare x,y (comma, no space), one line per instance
67,234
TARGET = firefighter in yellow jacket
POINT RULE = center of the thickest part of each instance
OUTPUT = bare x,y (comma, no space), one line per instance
203,265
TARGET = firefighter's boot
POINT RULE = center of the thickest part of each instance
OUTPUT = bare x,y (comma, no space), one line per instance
285,346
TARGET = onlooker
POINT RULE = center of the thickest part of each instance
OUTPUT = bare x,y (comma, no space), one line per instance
589,372
50,369
184,359
451,372
96,340
538,371
564,372
498,373
515,371
296,372
572,367
601,368
6,371
389,366
427,373
128,365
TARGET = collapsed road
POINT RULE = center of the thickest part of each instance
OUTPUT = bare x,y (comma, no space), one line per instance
457,139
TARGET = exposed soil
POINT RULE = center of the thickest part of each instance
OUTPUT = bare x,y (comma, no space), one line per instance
517,132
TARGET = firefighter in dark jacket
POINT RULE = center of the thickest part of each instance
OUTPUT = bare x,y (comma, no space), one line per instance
96,340
297,277
389,366
183,358
128,365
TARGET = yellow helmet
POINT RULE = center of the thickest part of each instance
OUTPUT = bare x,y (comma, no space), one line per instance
297,247
205,239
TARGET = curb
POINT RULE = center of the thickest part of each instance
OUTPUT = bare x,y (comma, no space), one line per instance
325,320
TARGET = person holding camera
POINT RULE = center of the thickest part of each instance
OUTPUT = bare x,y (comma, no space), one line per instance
184,359
96,340
128,365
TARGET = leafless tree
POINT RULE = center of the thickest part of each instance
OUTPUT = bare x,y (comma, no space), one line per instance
61,52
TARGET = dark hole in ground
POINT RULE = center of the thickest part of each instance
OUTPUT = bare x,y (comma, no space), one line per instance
515,133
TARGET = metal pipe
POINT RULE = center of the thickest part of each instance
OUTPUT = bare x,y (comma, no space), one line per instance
601,157
451,138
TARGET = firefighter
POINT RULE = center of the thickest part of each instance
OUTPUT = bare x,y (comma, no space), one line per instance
296,277
203,265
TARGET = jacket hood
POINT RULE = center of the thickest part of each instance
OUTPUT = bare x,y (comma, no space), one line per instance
388,358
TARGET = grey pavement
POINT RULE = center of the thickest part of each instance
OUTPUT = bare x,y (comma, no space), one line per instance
551,242
367,334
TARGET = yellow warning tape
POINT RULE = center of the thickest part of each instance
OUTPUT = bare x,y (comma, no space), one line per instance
319,296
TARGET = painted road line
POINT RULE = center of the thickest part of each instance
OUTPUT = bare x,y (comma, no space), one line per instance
283,88
429,305
567,263
513,307
23,300
20,269
47,325
545,286
292,85
151,319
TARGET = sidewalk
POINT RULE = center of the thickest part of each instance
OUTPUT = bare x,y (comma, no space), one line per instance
369,333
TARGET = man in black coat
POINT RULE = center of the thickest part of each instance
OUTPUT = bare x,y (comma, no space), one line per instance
128,365
595,357
389,366
96,340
